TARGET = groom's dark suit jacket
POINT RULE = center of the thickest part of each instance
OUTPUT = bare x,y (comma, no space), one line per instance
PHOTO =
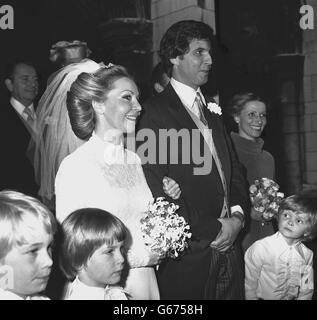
202,196
16,170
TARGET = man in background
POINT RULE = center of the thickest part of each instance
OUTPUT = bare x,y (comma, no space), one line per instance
18,125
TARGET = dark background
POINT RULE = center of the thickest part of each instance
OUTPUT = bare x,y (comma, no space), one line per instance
40,23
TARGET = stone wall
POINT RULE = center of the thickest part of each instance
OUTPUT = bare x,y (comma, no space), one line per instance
310,100
166,12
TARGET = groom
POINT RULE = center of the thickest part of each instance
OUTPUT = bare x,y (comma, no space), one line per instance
213,198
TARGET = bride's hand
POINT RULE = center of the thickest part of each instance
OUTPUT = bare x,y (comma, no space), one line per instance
171,188
155,258
142,256
256,215
259,216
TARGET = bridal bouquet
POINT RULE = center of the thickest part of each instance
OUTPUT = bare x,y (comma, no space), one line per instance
164,231
265,197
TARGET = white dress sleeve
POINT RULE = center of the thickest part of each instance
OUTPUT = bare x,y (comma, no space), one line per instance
67,190
138,257
138,254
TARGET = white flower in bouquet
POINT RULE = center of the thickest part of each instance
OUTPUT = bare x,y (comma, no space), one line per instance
265,197
164,231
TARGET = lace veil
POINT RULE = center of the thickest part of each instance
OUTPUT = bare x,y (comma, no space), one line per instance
55,138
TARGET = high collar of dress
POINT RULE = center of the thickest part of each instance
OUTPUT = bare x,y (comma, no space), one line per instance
246,144
110,153
108,140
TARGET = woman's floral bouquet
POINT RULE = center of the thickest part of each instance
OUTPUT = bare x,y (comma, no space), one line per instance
265,197
164,231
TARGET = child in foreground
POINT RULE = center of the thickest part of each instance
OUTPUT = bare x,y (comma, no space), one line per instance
279,267
93,255
27,228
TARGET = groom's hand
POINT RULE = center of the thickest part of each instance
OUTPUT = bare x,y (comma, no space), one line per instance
228,233
171,188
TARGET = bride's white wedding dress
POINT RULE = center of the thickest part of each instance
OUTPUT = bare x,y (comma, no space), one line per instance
106,176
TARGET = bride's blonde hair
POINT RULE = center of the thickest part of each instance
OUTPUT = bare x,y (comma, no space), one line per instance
86,88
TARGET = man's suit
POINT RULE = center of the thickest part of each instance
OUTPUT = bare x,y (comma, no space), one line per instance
202,196
16,170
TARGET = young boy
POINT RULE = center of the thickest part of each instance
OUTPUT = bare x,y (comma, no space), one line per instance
93,255
279,267
27,228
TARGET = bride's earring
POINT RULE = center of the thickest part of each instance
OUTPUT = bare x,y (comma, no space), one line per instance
99,107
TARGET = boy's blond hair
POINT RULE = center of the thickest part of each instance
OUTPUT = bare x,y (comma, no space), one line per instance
303,203
16,213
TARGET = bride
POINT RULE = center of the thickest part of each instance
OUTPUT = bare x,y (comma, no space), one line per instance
102,173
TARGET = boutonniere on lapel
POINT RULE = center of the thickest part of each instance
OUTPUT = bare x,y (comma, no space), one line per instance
214,108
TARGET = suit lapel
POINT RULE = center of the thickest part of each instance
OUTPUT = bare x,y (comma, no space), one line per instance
17,118
219,140
181,116
178,110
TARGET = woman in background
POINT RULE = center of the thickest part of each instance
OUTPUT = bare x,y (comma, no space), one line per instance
249,113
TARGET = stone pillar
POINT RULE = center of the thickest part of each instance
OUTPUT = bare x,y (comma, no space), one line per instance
287,79
310,101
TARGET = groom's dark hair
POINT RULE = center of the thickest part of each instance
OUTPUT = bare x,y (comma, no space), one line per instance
177,38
